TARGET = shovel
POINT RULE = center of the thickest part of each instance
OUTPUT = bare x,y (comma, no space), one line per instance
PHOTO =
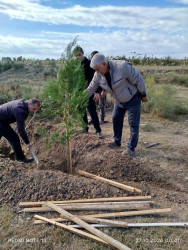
34,155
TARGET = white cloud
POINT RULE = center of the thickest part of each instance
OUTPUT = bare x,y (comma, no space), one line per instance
166,19
147,30
180,1
116,43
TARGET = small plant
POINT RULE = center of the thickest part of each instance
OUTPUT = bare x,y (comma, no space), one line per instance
66,98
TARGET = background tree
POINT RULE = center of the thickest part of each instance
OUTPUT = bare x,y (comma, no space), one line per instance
65,98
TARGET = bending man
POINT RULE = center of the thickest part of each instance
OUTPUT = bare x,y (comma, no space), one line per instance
17,111
127,87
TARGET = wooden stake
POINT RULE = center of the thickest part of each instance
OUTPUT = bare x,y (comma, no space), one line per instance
73,230
110,199
88,207
113,183
119,214
115,223
91,229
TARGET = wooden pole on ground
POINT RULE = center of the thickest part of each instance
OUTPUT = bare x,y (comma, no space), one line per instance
73,230
113,183
110,199
88,207
119,214
115,223
91,229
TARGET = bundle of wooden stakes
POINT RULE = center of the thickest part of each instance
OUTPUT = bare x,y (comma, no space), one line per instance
121,206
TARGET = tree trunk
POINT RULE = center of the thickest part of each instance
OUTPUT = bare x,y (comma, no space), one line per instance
69,159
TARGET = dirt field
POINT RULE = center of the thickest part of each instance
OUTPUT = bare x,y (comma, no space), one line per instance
160,171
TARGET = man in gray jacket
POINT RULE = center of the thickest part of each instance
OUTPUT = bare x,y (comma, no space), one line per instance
127,87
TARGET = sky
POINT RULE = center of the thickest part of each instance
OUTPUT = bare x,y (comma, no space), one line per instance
40,29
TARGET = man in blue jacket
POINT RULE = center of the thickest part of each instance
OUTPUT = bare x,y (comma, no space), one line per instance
127,87
17,111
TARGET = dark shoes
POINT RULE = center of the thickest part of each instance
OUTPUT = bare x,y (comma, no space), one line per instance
99,134
114,145
27,160
90,123
102,122
129,153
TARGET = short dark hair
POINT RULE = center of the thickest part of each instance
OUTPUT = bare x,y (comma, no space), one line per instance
94,52
34,101
78,49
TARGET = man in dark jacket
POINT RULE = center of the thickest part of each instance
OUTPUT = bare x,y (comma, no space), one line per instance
89,72
17,111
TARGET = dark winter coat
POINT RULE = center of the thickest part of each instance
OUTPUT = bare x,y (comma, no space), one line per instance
16,111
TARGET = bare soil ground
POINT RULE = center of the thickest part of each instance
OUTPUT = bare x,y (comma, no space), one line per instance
160,171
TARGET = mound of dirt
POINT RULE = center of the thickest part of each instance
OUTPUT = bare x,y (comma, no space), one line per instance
18,183
49,181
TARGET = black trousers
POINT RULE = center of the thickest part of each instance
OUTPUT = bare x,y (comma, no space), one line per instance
93,113
12,138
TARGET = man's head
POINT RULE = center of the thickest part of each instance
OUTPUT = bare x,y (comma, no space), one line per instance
93,53
78,53
100,64
33,105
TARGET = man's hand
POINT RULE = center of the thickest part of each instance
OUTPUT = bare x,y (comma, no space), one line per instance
144,99
103,93
96,97
28,145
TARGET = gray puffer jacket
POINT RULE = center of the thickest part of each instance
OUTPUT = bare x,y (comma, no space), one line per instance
125,81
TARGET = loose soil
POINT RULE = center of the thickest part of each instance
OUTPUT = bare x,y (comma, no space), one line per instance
160,171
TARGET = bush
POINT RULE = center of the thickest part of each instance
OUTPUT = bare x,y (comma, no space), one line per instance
162,100
50,72
6,66
18,66
4,94
180,80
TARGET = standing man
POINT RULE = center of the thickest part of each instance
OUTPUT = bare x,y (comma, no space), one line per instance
127,87
89,72
102,98
17,111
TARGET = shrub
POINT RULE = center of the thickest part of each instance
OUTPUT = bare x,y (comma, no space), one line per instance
18,66
6,66
50,72
4,94
162,100
180,80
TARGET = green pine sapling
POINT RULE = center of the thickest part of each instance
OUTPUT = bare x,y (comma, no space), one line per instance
66,98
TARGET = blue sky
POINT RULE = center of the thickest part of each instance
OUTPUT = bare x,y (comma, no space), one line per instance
42,28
